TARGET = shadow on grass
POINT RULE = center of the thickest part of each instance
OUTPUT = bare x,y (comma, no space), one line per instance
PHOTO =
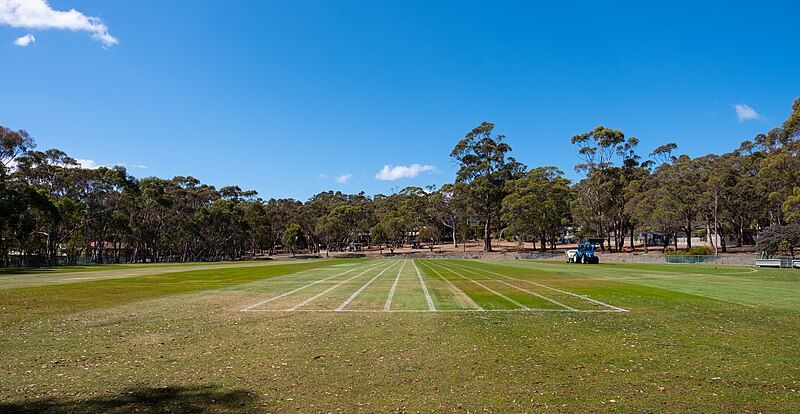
145,399
25,270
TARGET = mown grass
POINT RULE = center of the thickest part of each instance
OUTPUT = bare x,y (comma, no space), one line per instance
674,351
30,303
94,268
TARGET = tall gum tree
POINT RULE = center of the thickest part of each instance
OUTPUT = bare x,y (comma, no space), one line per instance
484,168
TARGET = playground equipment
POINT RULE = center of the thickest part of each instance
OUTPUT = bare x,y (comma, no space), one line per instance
583,254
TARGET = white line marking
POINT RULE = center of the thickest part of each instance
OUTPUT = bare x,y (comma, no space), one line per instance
529,310
328,290
477,307
424,288
487,288
524,290
737,273
361,289
586,298
298,289
538,296
394,286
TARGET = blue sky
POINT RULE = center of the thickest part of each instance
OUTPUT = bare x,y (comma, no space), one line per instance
283,97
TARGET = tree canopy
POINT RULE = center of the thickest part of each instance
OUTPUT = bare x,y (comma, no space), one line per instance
53,211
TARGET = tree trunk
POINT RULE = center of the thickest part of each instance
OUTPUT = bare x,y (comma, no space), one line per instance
689,234
487,234
633,247
740,234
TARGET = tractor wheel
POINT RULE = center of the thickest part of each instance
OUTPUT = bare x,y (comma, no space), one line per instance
578,259
594,260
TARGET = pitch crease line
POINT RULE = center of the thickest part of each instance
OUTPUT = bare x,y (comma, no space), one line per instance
523,307
586,298
361,289
477,307
394,287
263,302
555,302
328,290
424,288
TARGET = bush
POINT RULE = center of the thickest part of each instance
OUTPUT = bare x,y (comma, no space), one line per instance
694,251
700,251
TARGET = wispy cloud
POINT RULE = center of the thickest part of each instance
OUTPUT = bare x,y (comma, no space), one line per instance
38,15
745,112
25,41
344,178
323,176
391,173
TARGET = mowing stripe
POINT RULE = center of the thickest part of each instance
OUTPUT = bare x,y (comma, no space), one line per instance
328,290
455,288
263,302
424,288
586,298
394,286
487,288
361,289
526,291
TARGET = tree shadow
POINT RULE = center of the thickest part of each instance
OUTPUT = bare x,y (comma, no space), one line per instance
204,399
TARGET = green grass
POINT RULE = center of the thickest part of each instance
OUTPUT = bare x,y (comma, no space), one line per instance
32,303
95,267
696,338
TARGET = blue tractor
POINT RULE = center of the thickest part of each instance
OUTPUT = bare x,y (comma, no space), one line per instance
584,254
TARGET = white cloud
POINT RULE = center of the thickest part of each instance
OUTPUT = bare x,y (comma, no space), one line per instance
344,178
88,164
37,14
26,40
745,113
323,176
93,165
391,173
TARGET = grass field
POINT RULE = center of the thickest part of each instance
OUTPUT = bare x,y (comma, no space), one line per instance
401,335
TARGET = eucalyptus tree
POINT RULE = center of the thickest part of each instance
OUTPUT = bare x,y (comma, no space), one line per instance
429,234
610,163
791,207
484,168
538,205
293,237
393,227
281,212
448,207
332,228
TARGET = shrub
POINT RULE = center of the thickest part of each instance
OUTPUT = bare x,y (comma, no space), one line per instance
694,251
700,251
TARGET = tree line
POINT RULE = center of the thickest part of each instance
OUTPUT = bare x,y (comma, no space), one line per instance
52,211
